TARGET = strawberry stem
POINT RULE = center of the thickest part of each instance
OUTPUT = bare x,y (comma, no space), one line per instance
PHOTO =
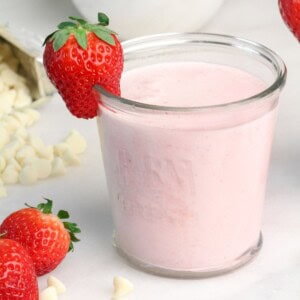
46,208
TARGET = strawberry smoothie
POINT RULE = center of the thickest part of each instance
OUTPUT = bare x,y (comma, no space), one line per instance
188,186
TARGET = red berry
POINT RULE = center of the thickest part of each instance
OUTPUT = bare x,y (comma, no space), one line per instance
42,234
17,275
79,56
290,12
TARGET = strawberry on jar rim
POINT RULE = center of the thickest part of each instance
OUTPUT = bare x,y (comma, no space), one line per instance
290,12
80,55
46,237
17,274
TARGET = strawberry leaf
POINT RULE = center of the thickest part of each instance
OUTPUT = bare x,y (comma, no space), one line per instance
72,227
80,35
106,37
64,25
79,20
74,238
71,247
53,37
60,38
49,37
103,19
79,28
62,214
92,27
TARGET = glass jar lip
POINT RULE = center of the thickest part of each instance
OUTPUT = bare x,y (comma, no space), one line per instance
207,38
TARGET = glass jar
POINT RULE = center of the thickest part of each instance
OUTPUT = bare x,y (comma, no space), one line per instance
187,184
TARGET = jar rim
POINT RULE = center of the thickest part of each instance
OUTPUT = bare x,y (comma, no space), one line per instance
206,38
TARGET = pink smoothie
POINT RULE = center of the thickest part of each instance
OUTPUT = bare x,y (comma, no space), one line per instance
188,188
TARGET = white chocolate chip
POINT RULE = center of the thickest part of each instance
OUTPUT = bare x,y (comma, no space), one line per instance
21,117
70,158
2,86
10,149
122,287
11,124
60,148
7,99
45,152
58,166
19,140
43,167
57,284
28,175
22,99
2,163
21,133
33,114
14,163
10,78
10,175
40,148
76,142
40,102
36,142
22,86
29,160
4,136
24,152
48,294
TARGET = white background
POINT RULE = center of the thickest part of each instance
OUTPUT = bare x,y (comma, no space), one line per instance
88,272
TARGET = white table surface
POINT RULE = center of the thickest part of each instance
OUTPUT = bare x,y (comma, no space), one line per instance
88,272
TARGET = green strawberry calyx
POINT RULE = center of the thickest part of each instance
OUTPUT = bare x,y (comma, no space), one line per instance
79,28
72,228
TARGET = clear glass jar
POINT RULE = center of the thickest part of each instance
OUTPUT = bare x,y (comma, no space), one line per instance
187,197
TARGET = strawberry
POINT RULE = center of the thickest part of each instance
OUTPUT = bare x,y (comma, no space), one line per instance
79,55
46,238
17,275
290,12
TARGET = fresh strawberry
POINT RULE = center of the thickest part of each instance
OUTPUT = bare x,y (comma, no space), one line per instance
79,55
290,12
17,275
46,238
